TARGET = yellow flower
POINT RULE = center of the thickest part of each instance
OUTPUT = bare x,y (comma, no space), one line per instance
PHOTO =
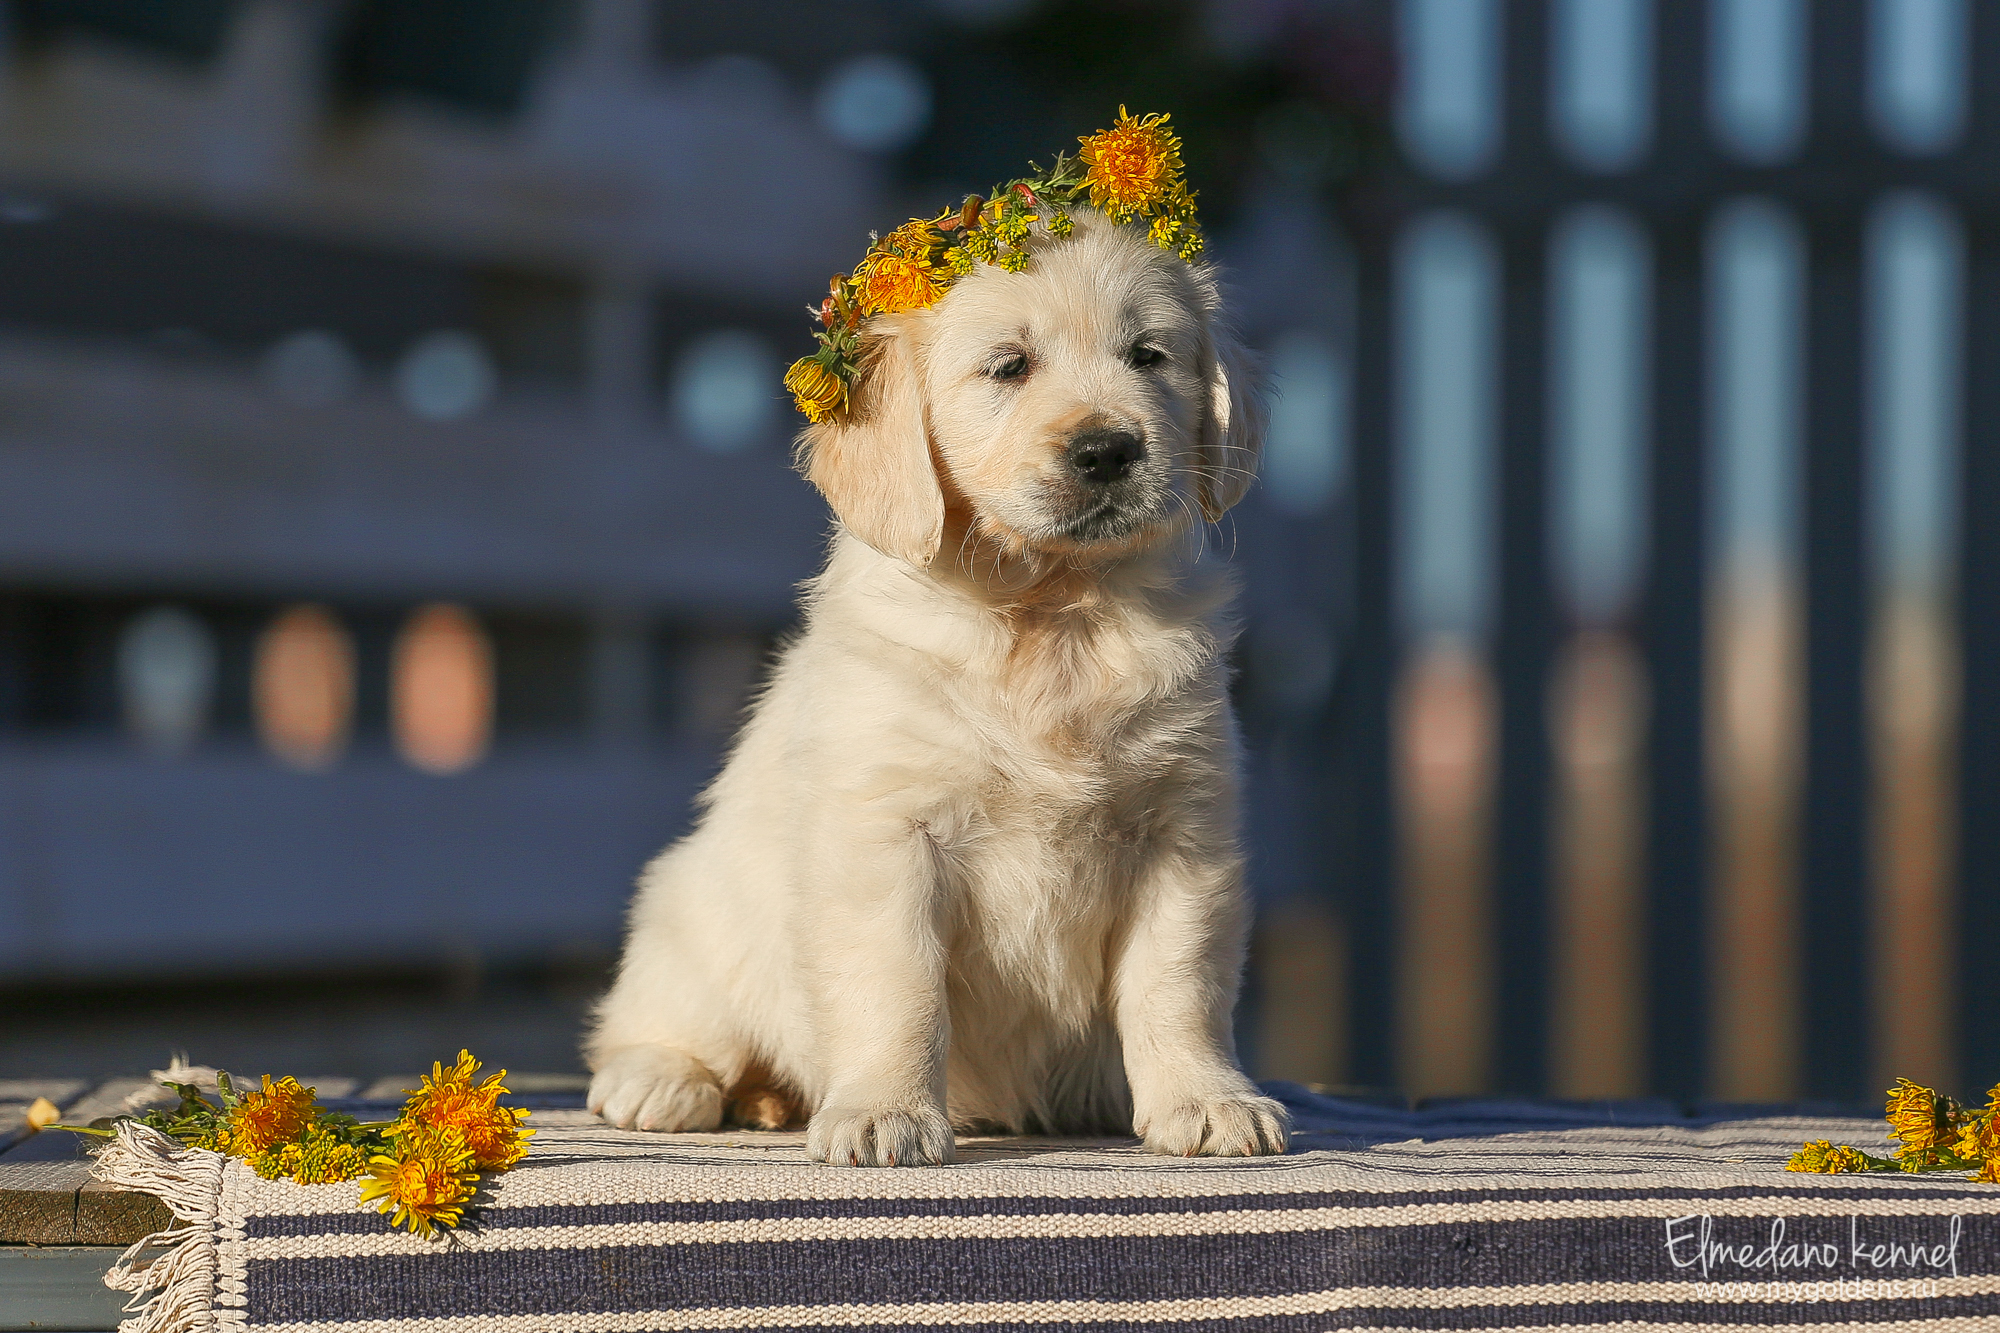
1822,1157
887,283
321,1158
330,1164
898,272
269,1119
424,1182
1060,225
270,1164
450,1101
1131,166
216,1138
1012,228
1979,1139
1014,261
1921,1118
816,391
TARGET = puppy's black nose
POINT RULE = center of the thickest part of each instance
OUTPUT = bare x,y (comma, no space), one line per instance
1103,454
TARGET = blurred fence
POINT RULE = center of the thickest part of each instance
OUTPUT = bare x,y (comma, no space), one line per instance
393,501
1668,716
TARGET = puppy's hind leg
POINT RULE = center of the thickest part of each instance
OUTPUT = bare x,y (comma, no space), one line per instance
657,1088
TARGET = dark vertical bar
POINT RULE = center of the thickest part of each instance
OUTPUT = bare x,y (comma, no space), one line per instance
1833,880
1670,621
1979,621
1362,708
1521,665
1673,633
1833,885
1979,574
1521,642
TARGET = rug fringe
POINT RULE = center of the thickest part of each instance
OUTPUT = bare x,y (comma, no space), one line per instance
172,1292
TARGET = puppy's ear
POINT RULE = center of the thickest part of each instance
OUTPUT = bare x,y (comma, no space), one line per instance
873,463
1232,431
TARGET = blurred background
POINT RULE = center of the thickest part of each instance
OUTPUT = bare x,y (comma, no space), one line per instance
395,505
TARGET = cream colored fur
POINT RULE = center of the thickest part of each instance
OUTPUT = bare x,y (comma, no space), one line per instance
973,860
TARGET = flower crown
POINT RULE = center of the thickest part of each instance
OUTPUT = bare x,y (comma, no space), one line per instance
1131,172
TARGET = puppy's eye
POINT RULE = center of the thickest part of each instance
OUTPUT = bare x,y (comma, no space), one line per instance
1013,366
1143,356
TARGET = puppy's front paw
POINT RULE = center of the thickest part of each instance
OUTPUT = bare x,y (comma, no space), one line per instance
1232,1126
883,1136
656,1088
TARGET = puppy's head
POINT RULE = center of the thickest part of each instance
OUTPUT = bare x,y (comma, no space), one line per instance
1091,404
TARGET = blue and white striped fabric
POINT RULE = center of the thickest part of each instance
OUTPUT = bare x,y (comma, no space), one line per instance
1468,1216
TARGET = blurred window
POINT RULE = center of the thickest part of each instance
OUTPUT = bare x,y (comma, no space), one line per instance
984,13
1915,313
1448,105
1756,379
1447,293
1601,109
1918,53
189,29
1600,326
445,376
441,690
541,674
1305,449
312,368
725,393
166,678
1757,55
877,103
475,54
716,674
302,687
1292,655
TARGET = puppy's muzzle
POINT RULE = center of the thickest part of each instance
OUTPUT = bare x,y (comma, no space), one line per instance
1104,454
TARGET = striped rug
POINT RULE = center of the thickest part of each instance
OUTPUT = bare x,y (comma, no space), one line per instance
1473,1216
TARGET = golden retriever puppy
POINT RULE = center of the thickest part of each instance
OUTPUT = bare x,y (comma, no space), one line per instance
973,860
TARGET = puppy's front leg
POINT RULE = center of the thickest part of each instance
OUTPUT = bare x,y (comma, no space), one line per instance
1174,990
878,970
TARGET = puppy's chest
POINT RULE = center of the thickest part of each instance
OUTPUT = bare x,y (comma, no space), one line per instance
1080,741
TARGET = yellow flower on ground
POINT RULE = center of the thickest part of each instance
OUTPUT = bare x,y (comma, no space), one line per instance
1979,1139
425,1181
1132,166
269,1119
323,1158
216,1138
1821,1156
449,1101
816,391
1921,1119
